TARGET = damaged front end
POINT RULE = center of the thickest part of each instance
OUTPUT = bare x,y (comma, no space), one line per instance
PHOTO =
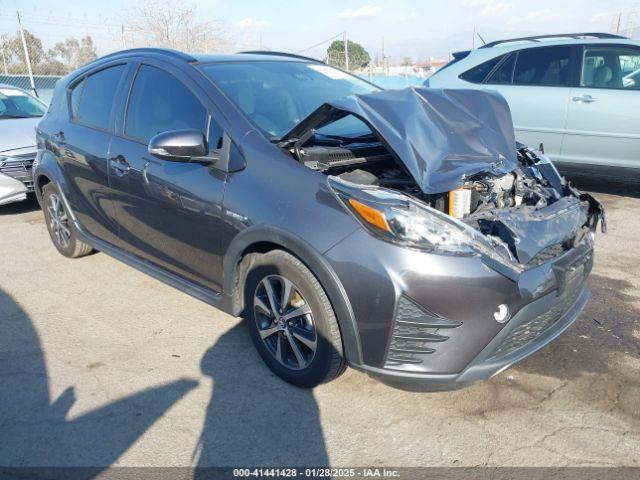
440,170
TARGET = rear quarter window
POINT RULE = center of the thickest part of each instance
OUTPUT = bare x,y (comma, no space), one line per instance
478,73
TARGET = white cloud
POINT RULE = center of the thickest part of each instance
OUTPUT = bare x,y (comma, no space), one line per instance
602,17
365,11
534,17
546,15
494,9
478,3
250,22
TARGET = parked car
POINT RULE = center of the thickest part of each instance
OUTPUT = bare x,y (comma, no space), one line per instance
400,232
576,94
20,112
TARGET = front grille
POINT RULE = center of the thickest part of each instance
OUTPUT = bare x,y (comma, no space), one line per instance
19,167
416,333
529,331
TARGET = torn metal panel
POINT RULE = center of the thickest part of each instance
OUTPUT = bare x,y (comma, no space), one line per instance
528,230
439,136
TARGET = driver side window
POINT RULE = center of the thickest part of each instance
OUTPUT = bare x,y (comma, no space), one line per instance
159,102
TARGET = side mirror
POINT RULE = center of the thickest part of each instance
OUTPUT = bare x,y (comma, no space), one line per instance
178,145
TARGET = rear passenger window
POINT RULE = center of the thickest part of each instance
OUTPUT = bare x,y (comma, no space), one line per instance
543,66
94,97
479,73
159,103
503,75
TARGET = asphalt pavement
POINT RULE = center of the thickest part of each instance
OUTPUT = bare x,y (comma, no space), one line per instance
102,365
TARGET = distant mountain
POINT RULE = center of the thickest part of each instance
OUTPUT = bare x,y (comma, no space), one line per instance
423,48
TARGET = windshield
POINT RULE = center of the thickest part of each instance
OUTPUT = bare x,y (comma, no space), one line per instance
15,103
277,95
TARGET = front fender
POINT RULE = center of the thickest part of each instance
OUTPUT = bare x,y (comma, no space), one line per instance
311,258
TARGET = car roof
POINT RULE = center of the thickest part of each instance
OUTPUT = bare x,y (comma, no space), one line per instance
257,55
509,46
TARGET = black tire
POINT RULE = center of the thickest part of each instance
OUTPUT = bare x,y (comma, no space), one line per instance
327,362
68,243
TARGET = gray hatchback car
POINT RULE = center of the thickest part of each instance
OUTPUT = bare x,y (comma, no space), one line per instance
403,233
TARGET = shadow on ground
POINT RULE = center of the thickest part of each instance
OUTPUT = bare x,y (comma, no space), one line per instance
599,184
251,417
36,429
18,208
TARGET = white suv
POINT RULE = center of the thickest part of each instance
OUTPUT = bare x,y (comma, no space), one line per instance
577,94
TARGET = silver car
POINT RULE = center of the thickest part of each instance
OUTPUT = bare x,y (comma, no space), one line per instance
20,112
576,94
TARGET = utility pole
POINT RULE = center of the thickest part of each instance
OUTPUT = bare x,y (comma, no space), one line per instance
26,56
124,40
619,20
4,62
473,39
346,51
260,40
382,54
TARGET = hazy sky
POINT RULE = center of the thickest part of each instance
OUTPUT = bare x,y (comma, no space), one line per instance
296,25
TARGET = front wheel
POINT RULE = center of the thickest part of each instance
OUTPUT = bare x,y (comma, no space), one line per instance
291,320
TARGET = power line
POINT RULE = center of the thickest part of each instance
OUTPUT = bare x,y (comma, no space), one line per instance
321,43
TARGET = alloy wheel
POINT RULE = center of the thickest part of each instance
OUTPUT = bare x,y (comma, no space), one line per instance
285,322
58,221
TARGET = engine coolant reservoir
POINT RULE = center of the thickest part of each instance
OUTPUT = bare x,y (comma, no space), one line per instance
460,202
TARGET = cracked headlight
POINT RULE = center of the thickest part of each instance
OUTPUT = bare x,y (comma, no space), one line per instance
398,218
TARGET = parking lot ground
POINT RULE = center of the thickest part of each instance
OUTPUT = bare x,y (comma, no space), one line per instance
101,365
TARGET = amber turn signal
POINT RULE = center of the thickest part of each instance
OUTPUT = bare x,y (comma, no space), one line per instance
370,215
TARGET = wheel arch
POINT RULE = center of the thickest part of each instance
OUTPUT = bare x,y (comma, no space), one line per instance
262,239
46,171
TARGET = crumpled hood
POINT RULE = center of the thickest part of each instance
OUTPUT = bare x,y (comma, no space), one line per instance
16,133
440,136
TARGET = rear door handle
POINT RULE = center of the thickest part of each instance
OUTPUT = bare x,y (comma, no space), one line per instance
584,99
119,165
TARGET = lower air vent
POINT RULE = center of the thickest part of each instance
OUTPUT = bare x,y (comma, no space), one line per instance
416,333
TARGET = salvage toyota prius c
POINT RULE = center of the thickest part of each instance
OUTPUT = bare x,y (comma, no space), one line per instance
403,233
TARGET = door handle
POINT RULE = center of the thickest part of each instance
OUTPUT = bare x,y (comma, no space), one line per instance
584,99
119,165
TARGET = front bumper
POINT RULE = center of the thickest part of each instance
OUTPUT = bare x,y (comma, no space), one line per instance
456,339
487,363
16,178
11,190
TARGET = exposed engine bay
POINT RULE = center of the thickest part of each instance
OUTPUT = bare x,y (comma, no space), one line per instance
455,152
529,207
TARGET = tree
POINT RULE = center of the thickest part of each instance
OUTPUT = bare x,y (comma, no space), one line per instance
14,52
73,53
167,23
407,62
59,60
358,56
